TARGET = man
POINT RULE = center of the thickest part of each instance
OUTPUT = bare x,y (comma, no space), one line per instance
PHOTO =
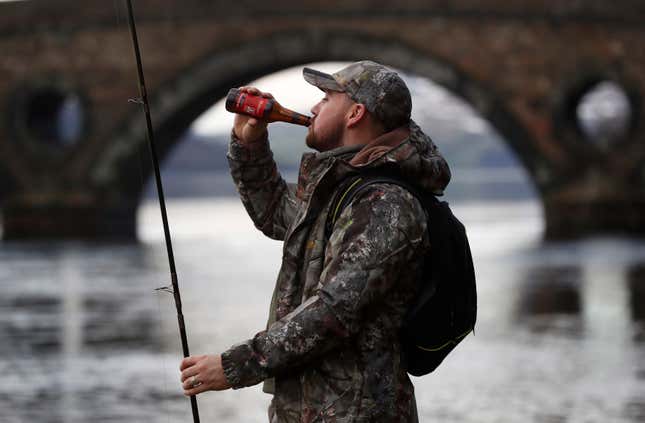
331,351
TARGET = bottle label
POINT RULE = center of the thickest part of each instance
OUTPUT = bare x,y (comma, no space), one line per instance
251,105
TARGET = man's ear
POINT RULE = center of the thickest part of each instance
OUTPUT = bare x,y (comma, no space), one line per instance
357,113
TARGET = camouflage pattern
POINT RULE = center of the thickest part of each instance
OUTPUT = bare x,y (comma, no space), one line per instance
379,88
332,342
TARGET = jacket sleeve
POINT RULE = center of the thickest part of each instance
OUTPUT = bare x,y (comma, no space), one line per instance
268,199
375,241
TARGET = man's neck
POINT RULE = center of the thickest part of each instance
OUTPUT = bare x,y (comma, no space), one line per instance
360,136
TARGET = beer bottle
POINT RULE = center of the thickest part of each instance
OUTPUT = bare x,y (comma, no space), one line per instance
262,108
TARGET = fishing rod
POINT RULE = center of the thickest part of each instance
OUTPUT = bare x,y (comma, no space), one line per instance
143,100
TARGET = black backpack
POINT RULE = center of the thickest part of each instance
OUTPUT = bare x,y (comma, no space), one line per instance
445,309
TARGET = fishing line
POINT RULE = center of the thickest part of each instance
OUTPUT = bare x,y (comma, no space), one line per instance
174,287
142,181
163,359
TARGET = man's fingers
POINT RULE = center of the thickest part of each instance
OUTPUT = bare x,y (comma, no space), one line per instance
190,388
207,374
194,391
189,372
255,91
188,383
188,361
250,90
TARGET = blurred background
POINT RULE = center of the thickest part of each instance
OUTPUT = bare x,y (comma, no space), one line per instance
536,105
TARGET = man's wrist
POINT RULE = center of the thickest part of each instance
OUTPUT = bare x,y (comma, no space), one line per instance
249,141
238,150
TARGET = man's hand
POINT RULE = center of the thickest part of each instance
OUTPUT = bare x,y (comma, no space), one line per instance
248,129
202,373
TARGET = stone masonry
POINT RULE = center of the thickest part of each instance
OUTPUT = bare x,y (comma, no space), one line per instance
522,65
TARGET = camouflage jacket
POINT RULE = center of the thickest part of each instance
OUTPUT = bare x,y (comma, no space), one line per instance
332,342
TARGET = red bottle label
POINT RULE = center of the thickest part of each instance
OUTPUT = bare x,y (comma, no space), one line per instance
251,105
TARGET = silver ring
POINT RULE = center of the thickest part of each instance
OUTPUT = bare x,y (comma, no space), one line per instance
193,382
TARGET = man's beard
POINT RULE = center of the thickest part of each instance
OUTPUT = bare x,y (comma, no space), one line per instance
324,141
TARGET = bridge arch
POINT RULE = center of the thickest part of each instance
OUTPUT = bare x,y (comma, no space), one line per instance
177,103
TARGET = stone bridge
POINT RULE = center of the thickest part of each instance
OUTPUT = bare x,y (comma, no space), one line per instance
523,65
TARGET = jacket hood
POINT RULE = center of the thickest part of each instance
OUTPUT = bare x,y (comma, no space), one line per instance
410,153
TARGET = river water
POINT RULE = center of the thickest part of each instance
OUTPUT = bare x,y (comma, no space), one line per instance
84,336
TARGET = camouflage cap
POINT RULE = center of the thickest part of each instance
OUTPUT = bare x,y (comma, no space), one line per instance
380,89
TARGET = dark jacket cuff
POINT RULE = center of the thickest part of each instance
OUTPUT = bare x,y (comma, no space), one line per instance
241,366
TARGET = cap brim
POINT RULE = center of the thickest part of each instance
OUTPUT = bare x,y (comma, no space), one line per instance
322,80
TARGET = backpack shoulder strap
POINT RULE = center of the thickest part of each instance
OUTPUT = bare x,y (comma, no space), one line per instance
350,189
